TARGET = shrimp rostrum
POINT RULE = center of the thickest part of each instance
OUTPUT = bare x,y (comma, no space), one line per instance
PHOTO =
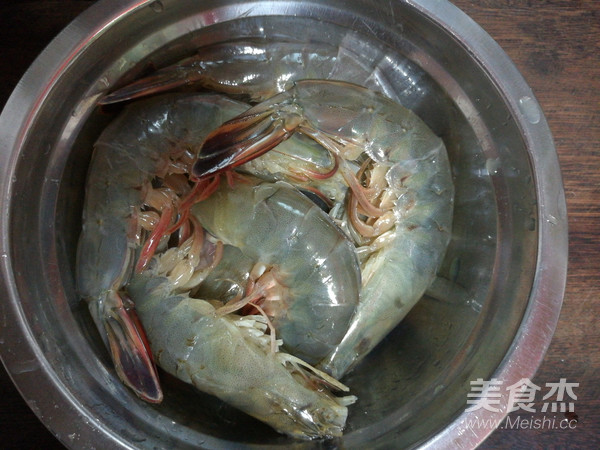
399,200
143,249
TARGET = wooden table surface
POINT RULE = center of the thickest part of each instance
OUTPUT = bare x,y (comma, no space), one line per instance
556,46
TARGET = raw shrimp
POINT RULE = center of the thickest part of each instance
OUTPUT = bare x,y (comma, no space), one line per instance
256,69
230,356
400,202
306,284
306,276
145,141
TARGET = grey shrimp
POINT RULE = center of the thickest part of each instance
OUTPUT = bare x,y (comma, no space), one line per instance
148,139
230,356
306,289
399,203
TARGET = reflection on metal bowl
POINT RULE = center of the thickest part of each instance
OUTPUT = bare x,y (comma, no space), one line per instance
506,262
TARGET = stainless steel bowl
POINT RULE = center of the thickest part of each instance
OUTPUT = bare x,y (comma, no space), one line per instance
506,262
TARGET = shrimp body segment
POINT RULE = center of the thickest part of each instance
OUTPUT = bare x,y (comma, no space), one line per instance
138,145
399,203
308,266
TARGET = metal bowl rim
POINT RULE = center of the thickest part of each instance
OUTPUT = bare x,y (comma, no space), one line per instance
541,317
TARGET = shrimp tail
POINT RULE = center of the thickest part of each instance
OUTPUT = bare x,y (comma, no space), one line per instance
166,79
128,345
247,136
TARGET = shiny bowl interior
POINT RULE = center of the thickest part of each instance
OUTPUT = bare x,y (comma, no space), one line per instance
502,280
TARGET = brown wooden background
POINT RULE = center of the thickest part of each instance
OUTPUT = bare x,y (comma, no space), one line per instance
556,46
